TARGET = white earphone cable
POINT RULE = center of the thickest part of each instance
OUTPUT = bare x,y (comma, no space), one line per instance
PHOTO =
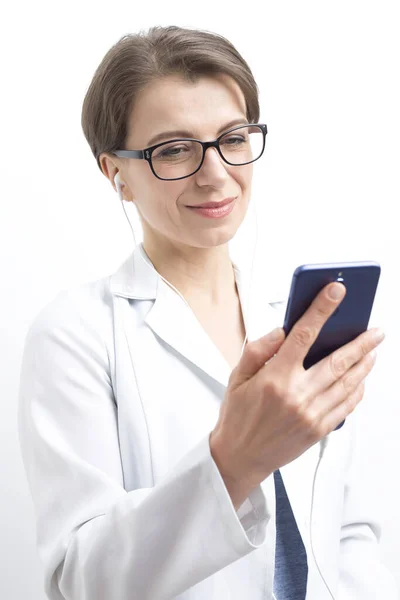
118,186
324,441
323,444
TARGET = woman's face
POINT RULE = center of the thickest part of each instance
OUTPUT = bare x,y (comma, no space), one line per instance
203,110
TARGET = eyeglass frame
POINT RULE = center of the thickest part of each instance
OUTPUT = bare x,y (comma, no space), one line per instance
146,153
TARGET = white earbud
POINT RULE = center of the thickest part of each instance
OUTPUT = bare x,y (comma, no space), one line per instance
118,185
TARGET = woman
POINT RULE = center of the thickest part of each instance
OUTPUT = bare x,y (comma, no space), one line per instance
158,446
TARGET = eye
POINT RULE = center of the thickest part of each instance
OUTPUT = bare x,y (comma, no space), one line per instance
233,140
171,151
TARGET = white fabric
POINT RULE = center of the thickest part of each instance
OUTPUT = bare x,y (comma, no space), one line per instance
120,388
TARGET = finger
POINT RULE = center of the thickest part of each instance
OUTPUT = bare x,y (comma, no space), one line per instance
341,390
342,410
306,330
256,354
336,365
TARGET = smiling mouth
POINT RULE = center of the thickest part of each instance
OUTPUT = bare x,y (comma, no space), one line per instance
214,204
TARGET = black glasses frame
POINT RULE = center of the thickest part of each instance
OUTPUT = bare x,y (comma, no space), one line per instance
147,152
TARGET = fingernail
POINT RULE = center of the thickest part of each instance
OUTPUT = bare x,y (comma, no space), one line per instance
275,334
336,292
379,335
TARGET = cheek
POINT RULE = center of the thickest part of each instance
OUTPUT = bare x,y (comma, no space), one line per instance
249,173
244,178
170,196
160,201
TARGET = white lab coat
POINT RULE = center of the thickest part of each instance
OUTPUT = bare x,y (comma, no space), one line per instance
120,388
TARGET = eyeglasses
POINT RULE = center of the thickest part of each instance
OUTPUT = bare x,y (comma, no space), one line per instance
180,158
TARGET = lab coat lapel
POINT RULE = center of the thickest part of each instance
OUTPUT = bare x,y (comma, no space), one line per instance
175,323
171,319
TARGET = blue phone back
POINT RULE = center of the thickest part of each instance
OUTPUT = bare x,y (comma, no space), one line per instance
352,316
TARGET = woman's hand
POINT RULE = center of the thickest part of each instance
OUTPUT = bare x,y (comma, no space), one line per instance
274,409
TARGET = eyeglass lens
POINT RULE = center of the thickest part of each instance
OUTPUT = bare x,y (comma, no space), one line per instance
181,158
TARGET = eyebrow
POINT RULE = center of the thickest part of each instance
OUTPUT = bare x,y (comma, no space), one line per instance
187,134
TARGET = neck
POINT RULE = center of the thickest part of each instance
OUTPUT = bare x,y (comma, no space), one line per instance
203,276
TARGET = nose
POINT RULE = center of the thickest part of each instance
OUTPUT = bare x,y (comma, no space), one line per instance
213,170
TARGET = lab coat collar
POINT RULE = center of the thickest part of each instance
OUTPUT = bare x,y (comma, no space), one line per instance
137,279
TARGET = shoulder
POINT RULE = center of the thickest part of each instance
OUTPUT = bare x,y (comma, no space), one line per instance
82,310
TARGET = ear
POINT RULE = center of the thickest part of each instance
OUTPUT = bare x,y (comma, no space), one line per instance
125,190
111,168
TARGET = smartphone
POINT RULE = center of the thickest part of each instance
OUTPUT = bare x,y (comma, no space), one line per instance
351,317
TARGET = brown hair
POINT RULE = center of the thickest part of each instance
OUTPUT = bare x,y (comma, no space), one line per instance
137,59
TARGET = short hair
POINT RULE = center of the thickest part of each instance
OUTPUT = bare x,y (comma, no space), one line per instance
138,59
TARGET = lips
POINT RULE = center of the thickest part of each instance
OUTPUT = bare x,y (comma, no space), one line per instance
213,204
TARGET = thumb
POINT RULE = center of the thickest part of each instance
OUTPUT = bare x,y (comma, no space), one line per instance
256,354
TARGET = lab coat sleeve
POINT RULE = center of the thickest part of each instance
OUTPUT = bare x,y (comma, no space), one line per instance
96,540
362,574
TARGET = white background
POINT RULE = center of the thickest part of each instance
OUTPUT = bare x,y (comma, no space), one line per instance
327,189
